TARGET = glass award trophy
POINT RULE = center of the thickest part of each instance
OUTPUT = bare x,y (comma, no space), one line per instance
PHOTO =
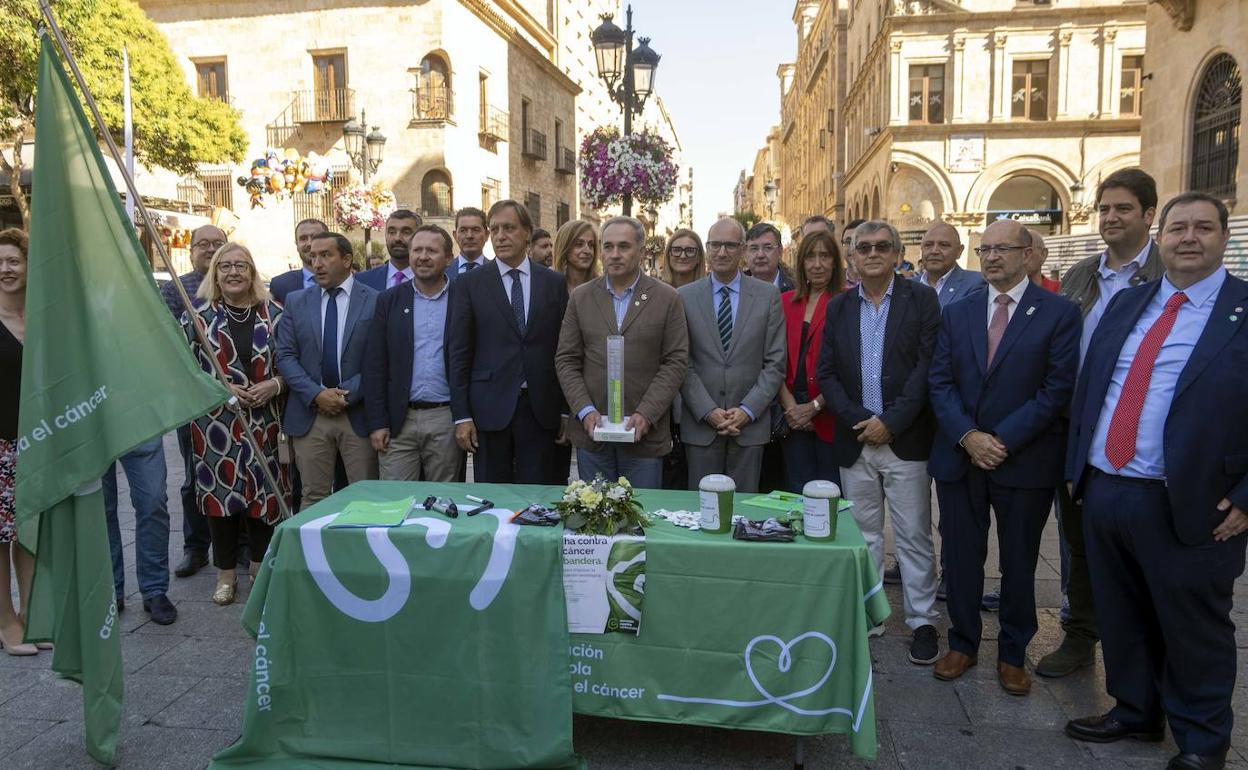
612,428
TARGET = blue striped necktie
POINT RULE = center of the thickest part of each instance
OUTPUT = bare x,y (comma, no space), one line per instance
724,317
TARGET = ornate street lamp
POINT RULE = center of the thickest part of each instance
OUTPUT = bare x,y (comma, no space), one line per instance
365,152
627,72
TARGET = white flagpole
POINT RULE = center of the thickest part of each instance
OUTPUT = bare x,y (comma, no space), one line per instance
129,125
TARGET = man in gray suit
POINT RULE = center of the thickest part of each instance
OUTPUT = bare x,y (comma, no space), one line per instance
736,363
940,248
320,351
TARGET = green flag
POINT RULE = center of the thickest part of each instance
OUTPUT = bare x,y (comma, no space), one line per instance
104,369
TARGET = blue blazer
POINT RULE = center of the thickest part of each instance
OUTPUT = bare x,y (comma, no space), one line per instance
299,355
282,286
909,336
1019,398
490,358
374,278
388,359
958,285
1206,441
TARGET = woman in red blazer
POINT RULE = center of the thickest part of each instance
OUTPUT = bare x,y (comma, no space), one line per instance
808,447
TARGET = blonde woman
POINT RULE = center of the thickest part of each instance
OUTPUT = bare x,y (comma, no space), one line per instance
239,319
576,252
684,259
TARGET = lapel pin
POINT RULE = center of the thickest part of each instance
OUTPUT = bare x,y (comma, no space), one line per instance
406,311
1031,310
1239,310
637,304
1234,318
643,296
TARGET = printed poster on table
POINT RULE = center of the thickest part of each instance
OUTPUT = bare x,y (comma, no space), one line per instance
604,579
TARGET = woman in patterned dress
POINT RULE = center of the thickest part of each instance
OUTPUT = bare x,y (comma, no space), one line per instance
239,320
13,246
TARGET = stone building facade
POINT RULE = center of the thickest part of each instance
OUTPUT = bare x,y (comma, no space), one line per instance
1194,106
469,94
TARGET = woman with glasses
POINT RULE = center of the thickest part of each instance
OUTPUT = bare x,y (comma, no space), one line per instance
576,252
808,446
239,321
685,260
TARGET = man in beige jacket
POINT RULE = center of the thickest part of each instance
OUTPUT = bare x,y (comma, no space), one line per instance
651,318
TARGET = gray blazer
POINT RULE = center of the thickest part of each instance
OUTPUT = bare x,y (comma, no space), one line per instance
749,374
959,284
299,355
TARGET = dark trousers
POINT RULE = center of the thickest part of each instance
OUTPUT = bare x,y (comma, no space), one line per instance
1163,609
806,458
964,518
225,535
195,535
1080,624
521,453
562,464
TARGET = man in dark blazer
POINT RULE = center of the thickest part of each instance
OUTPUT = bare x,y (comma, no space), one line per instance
505,320
400,227
1159,457
940,249
320,351
877,345
301,278
407,396
1001,374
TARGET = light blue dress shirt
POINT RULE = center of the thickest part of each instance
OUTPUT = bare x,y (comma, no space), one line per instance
429,381
734,296
1150,457
1108,283
872,322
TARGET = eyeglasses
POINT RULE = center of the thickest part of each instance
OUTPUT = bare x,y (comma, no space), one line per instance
233,267
883,247
1002,250
765,248
214,245
684,252
731,247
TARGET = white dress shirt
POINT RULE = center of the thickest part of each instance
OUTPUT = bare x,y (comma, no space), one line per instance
1015,293
525,268
344,303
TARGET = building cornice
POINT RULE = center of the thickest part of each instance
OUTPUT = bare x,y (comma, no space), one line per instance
1006,129
512,35
513,9
1182,12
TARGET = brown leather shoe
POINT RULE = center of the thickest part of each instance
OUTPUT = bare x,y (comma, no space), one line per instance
953,665
1014,679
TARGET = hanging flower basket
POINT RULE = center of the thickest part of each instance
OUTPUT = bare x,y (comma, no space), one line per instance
612,165
360,206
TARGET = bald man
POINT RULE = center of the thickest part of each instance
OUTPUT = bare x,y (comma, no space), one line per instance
1001,375
939,252
1035,265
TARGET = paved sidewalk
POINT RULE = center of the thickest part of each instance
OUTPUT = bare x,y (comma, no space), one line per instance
185,685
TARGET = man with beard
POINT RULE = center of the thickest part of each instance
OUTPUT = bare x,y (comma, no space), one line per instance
400,227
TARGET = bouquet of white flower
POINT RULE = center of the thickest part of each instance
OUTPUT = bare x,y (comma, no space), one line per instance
601,507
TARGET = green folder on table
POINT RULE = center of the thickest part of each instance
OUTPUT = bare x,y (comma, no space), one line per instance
363,513
785,502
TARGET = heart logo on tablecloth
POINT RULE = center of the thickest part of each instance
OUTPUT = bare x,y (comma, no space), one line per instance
785,662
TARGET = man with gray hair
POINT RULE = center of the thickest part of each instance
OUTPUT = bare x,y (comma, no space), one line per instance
736,363
650,317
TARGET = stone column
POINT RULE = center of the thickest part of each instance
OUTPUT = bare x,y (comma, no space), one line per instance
957,75
1111,73
1000,81
1064,73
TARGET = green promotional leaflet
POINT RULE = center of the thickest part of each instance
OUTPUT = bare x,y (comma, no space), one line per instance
758,636
104,368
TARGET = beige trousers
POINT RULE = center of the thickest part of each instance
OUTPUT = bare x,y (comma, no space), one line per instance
424,449
314,454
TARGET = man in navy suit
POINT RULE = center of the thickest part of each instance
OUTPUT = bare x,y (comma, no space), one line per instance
940,248
1159,456
302,278
470,234
407,396
504,329
320,351
400,227
1002,372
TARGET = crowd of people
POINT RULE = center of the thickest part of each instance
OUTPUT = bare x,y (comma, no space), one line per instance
1007,390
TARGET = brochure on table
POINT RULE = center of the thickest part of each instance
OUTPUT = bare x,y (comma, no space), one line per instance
604,579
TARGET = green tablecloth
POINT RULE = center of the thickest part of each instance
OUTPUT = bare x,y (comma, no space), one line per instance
467,663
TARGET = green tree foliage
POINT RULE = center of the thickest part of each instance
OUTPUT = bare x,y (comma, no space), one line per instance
173,128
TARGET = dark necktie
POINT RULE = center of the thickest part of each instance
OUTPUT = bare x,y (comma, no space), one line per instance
469,265
329,340
724,317
1124,426
517,298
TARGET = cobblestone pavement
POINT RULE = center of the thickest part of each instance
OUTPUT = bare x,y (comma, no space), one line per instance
185,685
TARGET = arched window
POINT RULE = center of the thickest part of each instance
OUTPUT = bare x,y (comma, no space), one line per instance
1029,200
1215,128
435,194
432,95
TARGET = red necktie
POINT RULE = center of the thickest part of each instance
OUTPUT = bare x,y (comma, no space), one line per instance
996,329
1124,426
